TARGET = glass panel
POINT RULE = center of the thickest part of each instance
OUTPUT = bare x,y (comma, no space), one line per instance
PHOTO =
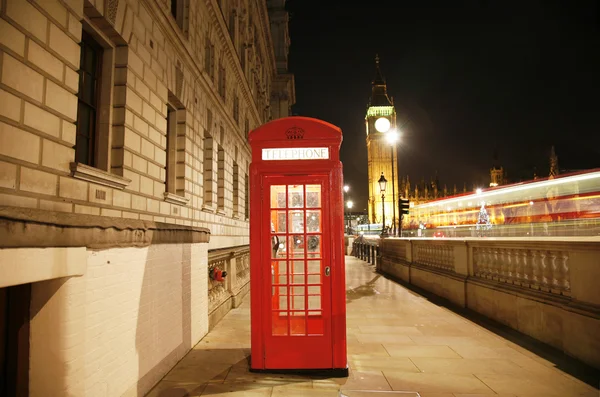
282,279
89,90
298,291
296,196
298,323
313,221
314,290
283,302
314,279
296,221
298,303
279,322
278,247
298,279
278,196
314,267
278,221
313,196
298,267
314,244
314,302
296,242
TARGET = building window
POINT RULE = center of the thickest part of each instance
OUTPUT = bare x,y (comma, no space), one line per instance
236,109
179,10
237,209
207,163
247,127
90,75
222,81
246,197
209,58
175,177
220,178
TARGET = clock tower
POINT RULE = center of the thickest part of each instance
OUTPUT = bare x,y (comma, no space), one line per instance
380,123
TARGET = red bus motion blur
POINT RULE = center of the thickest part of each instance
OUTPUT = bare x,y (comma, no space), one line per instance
565,205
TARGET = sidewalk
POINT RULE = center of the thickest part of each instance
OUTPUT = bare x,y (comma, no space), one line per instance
397,341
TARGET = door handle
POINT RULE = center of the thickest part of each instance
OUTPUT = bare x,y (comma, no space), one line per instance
327,270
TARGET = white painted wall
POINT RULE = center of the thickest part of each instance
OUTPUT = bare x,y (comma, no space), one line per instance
119,328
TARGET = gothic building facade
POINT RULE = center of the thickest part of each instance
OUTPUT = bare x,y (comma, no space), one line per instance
124,180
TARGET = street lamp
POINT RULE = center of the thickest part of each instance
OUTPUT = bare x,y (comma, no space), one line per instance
346,188
382,183
349,204
392,138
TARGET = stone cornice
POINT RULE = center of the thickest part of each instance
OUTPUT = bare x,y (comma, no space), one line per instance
33,228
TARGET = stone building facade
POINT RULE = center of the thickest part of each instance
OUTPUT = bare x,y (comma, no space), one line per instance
124,180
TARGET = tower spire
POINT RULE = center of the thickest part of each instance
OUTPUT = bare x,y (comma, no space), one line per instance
379,95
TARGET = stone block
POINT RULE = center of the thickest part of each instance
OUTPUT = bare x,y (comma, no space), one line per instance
59,206
56,10
57,156
19,144
41,119
11,105
26,15
35,181
61,100
64,46
8,175
12,200
12,38
22,78
69,132
72,188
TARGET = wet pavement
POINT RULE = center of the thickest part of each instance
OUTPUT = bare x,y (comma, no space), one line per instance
399,344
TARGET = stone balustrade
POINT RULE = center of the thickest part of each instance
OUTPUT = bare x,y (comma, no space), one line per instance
545,288
227,294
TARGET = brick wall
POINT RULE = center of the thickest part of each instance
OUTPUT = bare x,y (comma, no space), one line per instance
119,328
148,61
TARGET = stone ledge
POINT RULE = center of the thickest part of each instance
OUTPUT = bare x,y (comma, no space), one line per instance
92,174
23,227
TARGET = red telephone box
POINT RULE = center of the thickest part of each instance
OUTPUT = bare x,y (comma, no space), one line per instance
297,280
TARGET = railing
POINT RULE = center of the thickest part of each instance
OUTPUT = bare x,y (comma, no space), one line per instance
227,294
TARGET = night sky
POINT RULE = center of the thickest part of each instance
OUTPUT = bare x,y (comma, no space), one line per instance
466,78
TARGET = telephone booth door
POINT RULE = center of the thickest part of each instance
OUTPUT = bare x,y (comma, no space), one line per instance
299,296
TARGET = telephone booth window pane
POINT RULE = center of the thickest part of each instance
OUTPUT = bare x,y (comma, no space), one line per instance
295,196
314,267
314,302
296,242
313,196
279,221
279,247
314,246
298,279
278,196
298,323
314,279
313,221
296,221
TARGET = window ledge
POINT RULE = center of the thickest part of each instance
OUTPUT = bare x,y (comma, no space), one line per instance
92,174
175,199
208,208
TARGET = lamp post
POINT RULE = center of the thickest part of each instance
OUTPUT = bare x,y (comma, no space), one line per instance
392,138
382,182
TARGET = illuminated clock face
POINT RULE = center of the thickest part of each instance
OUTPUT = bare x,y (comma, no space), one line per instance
382,124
